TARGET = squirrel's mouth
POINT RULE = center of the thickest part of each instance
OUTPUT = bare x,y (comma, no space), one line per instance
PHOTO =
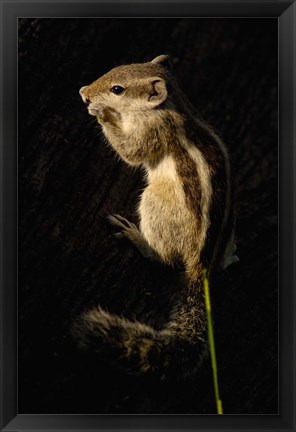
95,110
104,114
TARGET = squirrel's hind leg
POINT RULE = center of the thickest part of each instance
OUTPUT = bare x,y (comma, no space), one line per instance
229,255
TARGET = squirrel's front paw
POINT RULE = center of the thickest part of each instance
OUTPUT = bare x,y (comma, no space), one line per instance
128,229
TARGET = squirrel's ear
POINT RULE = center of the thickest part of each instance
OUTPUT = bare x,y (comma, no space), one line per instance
164,60
158,91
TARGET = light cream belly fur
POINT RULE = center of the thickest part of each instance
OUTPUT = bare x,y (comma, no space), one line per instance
166,223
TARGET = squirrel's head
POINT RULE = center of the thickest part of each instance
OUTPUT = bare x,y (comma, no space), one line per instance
128,89
130,102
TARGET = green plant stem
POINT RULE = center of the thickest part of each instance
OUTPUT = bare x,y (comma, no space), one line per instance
212,341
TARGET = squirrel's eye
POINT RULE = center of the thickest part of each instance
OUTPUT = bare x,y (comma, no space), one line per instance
117,89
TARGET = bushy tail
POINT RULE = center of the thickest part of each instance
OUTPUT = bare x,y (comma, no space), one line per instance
178,349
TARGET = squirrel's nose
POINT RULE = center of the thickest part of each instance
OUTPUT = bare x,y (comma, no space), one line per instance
84,98
81,90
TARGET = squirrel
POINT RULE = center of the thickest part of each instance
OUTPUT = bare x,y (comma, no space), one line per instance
186,211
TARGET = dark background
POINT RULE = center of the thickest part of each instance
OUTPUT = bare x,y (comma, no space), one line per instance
69,181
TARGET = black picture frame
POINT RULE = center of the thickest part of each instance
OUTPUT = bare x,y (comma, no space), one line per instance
285,11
